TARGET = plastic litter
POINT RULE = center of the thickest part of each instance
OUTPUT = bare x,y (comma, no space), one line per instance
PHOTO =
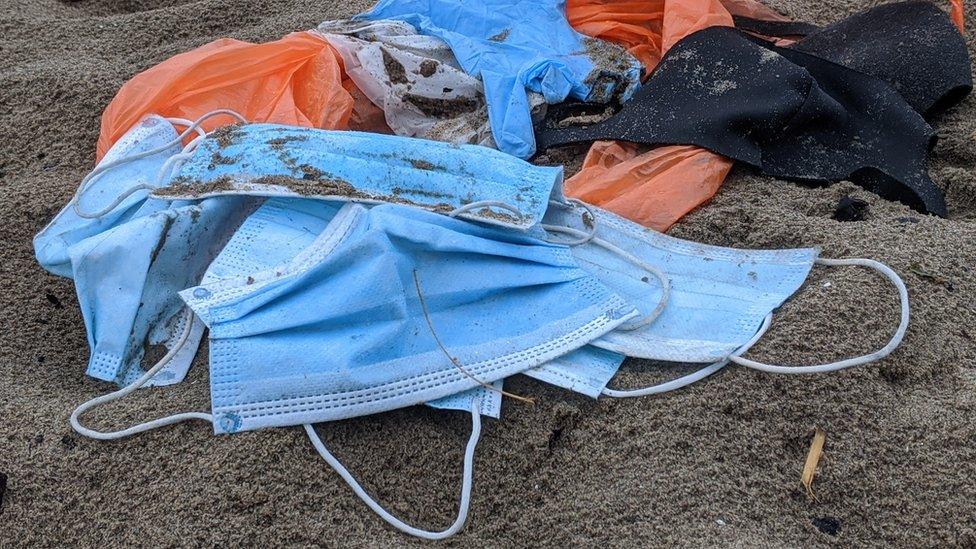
787,112
654,188
647,28
515,46
295,80
658,187
415,80
912,46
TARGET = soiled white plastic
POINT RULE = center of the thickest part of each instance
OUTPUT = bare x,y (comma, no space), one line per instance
415,79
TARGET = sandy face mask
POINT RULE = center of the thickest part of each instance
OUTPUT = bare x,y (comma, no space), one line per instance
716,303
279,230
473,182
347,327
129,254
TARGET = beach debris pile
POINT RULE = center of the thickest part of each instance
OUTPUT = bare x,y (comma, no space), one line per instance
348,216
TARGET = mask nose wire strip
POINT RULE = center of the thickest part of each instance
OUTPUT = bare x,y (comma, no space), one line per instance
468,469
856,361
83,186
168,420
694,376
662,278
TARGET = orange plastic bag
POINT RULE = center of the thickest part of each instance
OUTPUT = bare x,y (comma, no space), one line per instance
648,28
296,80
957,15
658,187
654,189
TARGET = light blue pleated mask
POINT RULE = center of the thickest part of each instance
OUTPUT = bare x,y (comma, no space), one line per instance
387,307
68,227
340,330
702,304
129,255
718,296
277,232
275,160
127,281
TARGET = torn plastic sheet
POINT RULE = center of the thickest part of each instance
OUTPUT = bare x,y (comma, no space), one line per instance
294,80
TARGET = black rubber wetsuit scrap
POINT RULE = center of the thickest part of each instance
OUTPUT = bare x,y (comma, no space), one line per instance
796,115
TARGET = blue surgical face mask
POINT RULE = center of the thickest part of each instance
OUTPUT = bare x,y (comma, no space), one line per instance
346,319
163,246
275,160
68,227
716,301
718,296
277,232
387,307
127,279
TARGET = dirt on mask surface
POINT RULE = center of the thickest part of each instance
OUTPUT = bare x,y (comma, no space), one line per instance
715,464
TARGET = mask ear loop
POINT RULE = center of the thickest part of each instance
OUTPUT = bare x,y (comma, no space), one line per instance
693,377
485,204
467,474
161,422
584,237
856,361
193,127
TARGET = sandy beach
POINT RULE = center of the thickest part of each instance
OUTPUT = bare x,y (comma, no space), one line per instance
715,464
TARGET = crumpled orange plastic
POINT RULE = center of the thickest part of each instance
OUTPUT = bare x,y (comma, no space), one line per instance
648,28
660,186
295,80
657,188
956,13
654,189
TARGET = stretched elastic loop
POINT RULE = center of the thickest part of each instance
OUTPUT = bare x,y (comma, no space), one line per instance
485,204
462,516
591,224
693,377
657,273
114,204
856,361
186,124
173,163
194,127
168,420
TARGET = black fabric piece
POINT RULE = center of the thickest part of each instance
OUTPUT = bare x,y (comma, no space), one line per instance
774,28
913,46
850,209
788,112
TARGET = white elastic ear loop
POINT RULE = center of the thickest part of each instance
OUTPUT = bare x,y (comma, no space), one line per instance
694,376
171,164
584,238
192,127
168,420
856,361
465,504
573,203
485,204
